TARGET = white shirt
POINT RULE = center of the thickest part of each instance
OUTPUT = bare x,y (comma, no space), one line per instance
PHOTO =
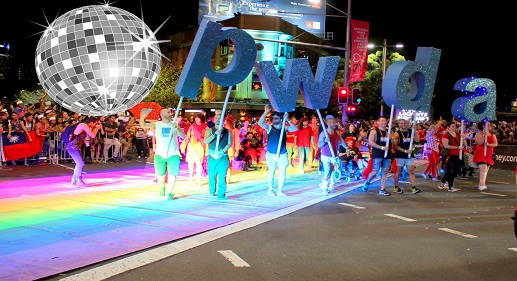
166,140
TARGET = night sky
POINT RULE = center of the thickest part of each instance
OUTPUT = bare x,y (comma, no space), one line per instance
474,39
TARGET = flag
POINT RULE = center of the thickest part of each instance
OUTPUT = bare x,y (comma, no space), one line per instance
18,146
359,54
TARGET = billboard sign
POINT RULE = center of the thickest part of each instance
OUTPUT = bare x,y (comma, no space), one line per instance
306,14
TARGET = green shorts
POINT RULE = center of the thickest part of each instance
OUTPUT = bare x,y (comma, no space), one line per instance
162,165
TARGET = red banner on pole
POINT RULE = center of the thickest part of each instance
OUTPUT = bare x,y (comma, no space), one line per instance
359,53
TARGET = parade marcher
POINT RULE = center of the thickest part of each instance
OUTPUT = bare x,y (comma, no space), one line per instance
304,141
451,142
378,139
229,124
352,154
274,134
327,142
74,147
484,162
193,146
218,162
292,149
404,154
166,153
314,153
432,152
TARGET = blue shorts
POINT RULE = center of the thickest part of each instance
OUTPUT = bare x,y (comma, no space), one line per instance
384,163
401,162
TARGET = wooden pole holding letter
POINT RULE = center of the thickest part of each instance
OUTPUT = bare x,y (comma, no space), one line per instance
389,131
461,139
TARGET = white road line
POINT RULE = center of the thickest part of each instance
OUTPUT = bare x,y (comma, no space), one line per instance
234,258
353,206
399,217
513,249
495,194
458,233
500,182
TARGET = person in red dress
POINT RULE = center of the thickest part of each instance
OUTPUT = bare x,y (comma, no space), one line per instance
484,161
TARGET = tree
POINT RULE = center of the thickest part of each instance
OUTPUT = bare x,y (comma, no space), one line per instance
372,84
30,96
163,92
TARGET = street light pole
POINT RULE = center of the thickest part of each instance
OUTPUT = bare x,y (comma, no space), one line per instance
347,52
347,59
383,73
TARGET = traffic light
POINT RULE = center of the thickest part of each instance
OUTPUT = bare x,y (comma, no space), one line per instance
342,95
351,110
356,95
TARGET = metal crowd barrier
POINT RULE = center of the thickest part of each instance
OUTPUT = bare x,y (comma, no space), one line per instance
57,153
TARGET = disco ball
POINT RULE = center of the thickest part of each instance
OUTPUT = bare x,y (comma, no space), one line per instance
98,60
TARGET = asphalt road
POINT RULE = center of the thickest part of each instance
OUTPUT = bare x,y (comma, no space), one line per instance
434,235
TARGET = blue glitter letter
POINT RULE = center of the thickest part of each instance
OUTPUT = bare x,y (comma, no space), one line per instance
298,75
198,64
478,106
422,75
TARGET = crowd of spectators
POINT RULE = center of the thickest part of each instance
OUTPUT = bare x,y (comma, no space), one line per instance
122,133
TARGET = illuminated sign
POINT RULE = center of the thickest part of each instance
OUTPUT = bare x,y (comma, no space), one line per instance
306,14
408,115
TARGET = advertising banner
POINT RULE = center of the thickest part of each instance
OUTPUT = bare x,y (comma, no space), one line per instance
359,31
505,157
306,14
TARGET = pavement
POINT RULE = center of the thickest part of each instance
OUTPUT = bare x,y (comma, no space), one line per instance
48,227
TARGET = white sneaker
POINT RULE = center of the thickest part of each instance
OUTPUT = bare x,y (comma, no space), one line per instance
271,193
139,157
425,176
324,192
482,187
434,179
280,193
451,189
443,185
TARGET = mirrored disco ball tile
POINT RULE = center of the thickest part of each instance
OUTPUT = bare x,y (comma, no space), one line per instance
93,60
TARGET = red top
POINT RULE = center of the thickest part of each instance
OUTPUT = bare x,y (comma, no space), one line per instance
421,134
455,141
304,137
290,137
